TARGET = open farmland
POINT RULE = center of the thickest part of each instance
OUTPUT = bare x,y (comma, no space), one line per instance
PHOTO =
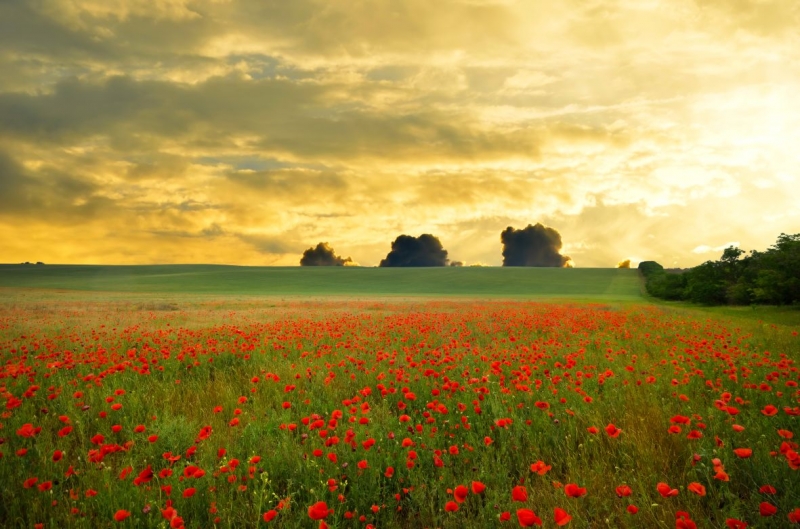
582,283
393,413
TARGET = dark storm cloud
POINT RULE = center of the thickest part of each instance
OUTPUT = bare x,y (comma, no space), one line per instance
46,193
532,246
278,116
268,243
23,29
125,109
322,255
425,250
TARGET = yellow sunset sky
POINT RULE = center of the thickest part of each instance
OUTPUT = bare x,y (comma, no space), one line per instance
245,131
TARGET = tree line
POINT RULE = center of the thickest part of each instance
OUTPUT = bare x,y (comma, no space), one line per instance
771,277
534,245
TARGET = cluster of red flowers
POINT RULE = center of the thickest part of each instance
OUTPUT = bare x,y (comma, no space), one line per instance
389,406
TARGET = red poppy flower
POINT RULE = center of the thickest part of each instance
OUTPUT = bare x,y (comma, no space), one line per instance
451,506
767,489
125,472
632,509
519,493
528,518
561,517
540,468
28,430
318,511
460,493
574,491
478,487
205,433
683,521
665,490
744,453
592,430
121,515
612,430
721,475
767,509
769,410
733,523
270,515
57,455
145,476
623,491
697,488
188,493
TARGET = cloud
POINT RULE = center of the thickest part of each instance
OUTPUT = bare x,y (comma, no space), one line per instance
533,246
142,125
425,250
269,244
323,255
704,248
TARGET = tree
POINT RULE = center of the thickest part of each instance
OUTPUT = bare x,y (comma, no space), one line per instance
323,255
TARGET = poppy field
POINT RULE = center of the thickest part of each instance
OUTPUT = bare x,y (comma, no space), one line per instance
395,414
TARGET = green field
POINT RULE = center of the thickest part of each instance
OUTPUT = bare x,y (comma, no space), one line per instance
602,284
222,396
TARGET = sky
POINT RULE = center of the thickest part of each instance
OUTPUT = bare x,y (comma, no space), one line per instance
246,131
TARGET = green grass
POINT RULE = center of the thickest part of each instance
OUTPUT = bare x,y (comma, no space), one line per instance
601,284
764,314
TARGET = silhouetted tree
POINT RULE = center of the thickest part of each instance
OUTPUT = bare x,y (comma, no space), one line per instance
322,255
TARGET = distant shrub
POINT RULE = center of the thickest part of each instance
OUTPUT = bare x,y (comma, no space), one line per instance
649,267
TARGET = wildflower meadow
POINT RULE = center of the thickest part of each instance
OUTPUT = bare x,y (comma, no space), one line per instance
394,414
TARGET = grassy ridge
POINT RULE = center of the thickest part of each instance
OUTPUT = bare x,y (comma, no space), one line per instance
582,283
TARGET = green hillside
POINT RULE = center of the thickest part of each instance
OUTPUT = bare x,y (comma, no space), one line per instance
579,283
